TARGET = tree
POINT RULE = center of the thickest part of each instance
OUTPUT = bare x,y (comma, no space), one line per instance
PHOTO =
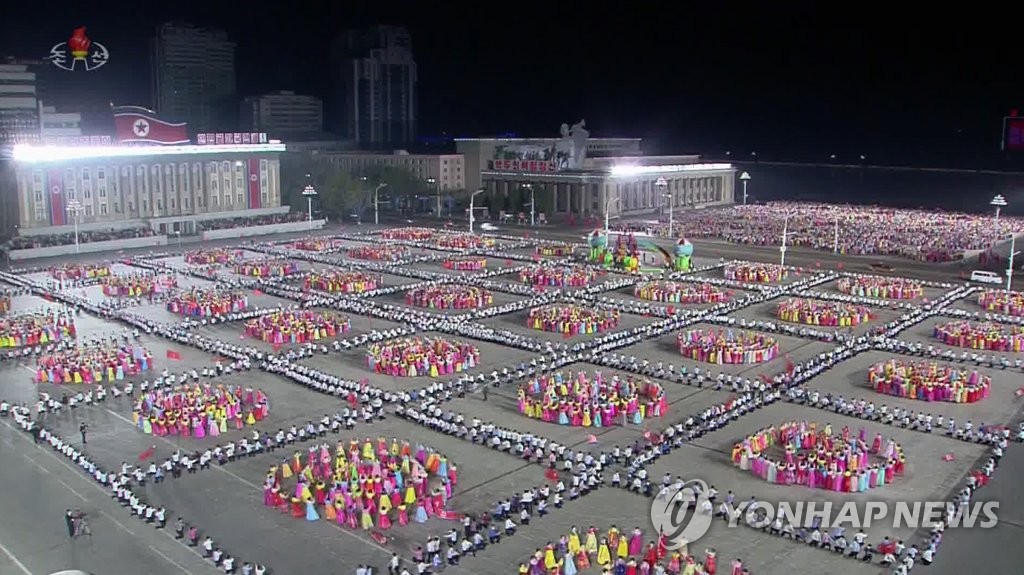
338,191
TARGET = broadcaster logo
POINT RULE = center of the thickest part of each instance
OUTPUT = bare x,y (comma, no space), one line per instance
679,516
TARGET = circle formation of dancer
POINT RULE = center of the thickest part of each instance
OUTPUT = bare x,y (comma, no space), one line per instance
464,241
5,304
93,364
316,244
408,234
727,346
616,552
596,401
137,286
338,281
32,329
415,356
823,313
981,336
752,273
373,486
207,302
557,276
466,264
815,457
449,296
212,256
557,250
297,327
999,301
572,319
379,253
80,272
880,288
680,292
198,410
270,268
929,381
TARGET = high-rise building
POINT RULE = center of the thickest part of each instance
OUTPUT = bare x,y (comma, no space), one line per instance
374,95
282,114
19,108
193,76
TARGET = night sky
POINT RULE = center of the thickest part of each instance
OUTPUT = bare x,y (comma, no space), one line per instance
801,82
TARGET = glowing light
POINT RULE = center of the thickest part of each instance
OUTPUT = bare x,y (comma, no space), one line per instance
35,154
626,171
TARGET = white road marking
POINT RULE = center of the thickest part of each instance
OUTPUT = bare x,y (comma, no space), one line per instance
72,490
168,559
14,560
36,463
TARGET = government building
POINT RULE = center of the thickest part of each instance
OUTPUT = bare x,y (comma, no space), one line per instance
576,175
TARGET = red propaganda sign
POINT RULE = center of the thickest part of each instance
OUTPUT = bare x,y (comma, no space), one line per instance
523,166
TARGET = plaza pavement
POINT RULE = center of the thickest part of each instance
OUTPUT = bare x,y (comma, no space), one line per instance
226,502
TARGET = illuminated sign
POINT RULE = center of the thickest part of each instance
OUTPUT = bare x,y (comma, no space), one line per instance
235,138
79,53
40,154
539,166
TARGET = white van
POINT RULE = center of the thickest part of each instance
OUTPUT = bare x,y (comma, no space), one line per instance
986,277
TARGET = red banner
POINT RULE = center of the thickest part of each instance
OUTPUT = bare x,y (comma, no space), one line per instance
56,198
255,198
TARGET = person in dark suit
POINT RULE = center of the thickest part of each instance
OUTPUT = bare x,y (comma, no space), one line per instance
70,520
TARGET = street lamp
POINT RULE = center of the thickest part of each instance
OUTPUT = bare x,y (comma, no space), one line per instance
999,202
376,213
785,233
177,234
310,193
1009,266
745,177
662,185
437,192
75,208
607,205
472,197
533,204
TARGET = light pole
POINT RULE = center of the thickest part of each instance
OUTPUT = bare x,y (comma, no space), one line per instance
75,208
177,233
310,193
607,205
1009,266
745,177
835,237
785,232
533,205
662,185
376,213
472,197
432,182
999,202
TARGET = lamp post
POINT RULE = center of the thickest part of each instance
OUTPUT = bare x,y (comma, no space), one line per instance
745,177
472,198
75,209
433,182
835,237
662,185
376,212
1009,266
533,203
607,205
785,233
999,202
310,193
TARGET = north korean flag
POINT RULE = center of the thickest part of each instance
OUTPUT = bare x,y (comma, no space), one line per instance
139,125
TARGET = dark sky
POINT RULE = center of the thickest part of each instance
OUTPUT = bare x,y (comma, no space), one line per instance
802,81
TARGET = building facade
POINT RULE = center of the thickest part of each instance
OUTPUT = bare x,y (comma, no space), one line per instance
169,188
54,124
19,107
374,98
193,77
563,180
446,170
282,114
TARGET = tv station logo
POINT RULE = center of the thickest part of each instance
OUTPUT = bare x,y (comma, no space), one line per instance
79,53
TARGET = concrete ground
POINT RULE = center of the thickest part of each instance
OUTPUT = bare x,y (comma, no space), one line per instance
226,501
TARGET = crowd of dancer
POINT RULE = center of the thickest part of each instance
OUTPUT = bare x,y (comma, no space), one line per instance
575,399
823,313
556,250
267,268
408,234
880,287
318,245
680,292
929,381
77,272
207,302
137,285
465,264
464,241
558,276
92,362
379,252
422,356
291,327
198,410
726,346
449,296
755,273
1004,302
987,336
572,320
338,281
615,552
42,328
213,256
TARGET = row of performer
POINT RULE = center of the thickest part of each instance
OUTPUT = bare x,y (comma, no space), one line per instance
32,329
449,296
572,320
297,327
93,364
137,285
929,381
338,281
823,313
422,356
727,347
207,302
755,273
580,401
981,336
880,287
680,292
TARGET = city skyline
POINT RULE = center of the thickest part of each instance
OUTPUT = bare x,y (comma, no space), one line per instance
785,82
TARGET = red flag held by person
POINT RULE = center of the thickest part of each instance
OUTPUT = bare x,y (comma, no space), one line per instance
171,354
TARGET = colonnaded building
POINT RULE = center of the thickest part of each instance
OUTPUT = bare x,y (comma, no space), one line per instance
577,174
109,185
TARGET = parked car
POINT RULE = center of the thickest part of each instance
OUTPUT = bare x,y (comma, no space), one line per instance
986,277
